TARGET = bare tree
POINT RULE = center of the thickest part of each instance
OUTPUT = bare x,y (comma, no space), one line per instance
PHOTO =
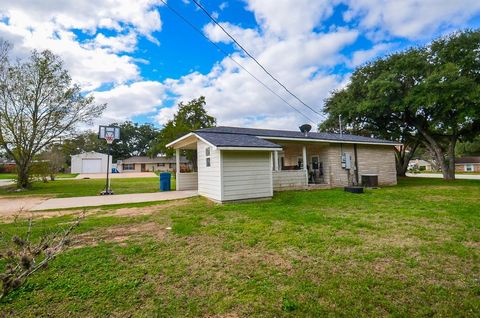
55,160
38,104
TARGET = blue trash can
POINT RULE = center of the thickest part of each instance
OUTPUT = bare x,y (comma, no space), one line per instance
165,181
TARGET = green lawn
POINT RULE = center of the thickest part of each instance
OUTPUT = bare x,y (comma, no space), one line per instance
86,187
409,250
60,175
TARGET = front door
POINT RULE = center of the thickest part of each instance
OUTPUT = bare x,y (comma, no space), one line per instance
315,163
142,167
314,173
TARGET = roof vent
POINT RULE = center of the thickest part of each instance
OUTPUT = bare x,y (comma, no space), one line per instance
305,129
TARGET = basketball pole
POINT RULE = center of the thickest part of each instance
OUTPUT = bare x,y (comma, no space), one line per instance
107,185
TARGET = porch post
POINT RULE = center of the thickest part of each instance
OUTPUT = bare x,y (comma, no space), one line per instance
275,160
304,151
177,167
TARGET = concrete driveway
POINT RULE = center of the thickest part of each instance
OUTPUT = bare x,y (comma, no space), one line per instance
439,175
117,175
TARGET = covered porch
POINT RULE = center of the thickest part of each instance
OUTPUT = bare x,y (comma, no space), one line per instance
185,180
300,165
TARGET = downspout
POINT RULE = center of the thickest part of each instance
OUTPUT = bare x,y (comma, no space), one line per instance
356,162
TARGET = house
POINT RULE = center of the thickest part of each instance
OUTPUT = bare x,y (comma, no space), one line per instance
90,162
245,163
147,164
7,165
467,164
420,164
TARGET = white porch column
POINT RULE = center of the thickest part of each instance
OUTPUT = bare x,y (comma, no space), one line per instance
304,152
177,167
275,160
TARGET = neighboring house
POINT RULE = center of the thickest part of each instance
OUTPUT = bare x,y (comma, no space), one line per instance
245,164
147,164
7,165
420,164
467,164
90,162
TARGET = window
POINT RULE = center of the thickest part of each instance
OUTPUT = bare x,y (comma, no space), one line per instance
469,167
160,165
207,157
128,166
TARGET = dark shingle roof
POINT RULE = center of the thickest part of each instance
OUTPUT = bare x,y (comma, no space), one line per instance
468,160
235,140
223,132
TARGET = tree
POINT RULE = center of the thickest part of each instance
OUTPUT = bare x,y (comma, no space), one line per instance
190,116
38,105
54,159
428,95
135,140
469,148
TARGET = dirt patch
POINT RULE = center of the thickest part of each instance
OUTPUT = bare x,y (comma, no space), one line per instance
120,234
253,257
127,212
472,244
383,264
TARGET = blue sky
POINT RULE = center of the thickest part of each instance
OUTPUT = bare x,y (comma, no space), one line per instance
141,59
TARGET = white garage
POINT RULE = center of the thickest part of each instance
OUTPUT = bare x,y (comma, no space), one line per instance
90,162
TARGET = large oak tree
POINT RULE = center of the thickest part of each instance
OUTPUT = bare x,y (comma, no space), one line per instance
428,95
39,104
189,117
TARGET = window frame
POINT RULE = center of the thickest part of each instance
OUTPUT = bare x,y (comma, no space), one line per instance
208,154
469,167
126,166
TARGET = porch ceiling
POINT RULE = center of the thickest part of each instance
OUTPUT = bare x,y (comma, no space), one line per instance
189,142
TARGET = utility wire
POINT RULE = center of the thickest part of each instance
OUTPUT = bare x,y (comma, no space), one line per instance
253,58
232,59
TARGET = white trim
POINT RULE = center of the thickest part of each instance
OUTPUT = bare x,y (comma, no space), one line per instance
222,186
331,141
179,139
187,136
249,148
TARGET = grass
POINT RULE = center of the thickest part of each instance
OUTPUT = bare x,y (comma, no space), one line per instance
86,187
409,250
439,172
59,175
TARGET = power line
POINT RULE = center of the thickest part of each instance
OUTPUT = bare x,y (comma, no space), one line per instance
253,58
232,59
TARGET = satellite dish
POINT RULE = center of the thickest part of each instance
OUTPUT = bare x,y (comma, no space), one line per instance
305,128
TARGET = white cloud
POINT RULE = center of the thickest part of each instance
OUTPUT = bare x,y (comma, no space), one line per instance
411,19
127,101
361,56
93,62
116,44
287,18
86,15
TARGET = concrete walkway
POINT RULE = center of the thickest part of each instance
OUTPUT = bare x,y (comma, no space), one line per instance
80,202
439,175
